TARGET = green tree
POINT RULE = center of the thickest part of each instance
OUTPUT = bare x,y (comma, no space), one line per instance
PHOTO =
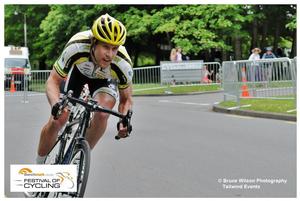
57,28
200,30
291,25
137,21
270,25
61,23
14,25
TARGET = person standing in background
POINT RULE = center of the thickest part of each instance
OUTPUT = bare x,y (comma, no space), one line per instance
254,73
178,54
173,55
268,68
255,54
268,54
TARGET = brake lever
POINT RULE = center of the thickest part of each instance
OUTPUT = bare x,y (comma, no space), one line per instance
126,121
58,107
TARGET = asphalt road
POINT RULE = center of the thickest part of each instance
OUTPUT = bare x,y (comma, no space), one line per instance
179,148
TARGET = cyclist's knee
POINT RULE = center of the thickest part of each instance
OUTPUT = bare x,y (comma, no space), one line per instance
101,116
106,101
55,124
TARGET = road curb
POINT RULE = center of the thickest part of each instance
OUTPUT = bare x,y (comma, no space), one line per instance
285,117
183,94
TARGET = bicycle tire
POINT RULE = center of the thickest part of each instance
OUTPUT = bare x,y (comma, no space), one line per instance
83,149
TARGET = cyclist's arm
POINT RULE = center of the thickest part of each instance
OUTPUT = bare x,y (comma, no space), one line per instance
53,87
125,99
124,105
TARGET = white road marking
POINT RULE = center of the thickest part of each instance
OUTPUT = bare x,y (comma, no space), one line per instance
239,116
189,103
164,101
146,89
290,122
184,103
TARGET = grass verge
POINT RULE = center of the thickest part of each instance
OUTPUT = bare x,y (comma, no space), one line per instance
146,89
158,89
281,106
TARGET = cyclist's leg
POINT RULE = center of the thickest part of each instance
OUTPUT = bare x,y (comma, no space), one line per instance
106,96
50,131
99,121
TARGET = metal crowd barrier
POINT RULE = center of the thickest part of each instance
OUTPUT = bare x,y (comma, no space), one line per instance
215,71
17,85
146,75
180,72
271,78
268,78
26,84
190,72
34,83
38,81
152,74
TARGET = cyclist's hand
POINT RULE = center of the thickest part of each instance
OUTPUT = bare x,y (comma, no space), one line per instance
124,126
58,112
64,116
122,130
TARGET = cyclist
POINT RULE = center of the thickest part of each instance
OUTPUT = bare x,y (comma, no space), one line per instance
95,57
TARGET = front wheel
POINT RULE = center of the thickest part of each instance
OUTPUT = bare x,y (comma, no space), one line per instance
81,158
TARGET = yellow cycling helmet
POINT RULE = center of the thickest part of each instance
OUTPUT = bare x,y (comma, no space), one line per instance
109,30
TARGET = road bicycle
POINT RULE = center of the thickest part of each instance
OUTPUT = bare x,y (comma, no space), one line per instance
71,146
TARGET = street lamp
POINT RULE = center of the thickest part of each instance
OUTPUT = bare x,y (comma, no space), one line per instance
25,28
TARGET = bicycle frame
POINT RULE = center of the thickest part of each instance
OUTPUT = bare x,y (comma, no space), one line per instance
83,120
64,153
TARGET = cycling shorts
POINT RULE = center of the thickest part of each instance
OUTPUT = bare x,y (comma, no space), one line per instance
76,80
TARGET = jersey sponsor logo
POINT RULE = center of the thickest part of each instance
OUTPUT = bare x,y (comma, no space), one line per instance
112,86
63,57
86,68
121,76
102,73
130,74
124,77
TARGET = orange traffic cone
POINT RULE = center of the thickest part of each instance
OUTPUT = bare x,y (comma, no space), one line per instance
12,84
244,88
245,92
